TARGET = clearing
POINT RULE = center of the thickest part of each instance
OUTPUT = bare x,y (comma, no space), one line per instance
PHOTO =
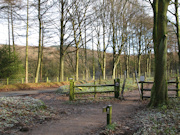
83,117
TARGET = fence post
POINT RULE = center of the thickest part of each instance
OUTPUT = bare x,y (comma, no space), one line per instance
177,87
116,87
142,90
7,81
95,89
108,110
99,79
22,80
134,78
71,90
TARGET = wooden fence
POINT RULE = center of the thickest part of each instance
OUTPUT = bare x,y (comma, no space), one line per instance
169,82
73,92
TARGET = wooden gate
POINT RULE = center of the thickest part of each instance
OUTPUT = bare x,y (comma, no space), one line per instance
73,92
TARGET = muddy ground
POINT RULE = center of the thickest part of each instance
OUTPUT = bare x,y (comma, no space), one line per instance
84,117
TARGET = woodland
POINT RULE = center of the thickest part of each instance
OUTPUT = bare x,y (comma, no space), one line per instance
89,39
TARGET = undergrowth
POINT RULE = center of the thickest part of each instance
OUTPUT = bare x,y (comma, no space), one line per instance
160,121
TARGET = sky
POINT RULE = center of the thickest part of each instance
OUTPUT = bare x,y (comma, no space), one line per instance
33,37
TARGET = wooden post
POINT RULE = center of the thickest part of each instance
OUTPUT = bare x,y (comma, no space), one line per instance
133,78
7,81
84,76
116,87
177,87
71,90
99,79
95,89
22,80
109,114
142,90
108,110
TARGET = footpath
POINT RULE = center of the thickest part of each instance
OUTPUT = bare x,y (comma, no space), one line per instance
26,92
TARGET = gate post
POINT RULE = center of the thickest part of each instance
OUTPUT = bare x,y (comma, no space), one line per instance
177,87
71,90
116,87
95,89
142,90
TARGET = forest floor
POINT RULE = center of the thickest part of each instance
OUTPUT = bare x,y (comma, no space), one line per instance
85,116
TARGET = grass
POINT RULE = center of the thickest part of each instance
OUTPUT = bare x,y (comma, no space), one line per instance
28,86
130,85
64,86
111,127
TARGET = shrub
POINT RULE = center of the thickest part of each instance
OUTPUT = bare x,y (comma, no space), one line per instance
11,66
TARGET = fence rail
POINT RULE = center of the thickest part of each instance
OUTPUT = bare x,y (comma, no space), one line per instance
177,89
72,87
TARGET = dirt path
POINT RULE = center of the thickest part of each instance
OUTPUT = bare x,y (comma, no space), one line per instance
86,117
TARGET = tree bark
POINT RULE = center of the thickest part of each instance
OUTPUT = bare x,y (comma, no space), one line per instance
12,29
42,45
178,28
9,35
94,72
39,48
159,94
27,30
61,59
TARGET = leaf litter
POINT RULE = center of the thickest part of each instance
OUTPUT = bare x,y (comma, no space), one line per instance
160,121
21,112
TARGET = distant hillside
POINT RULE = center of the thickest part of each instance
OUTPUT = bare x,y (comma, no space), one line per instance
50,67
51,60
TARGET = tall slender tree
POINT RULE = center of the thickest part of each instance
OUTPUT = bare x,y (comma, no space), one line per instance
39,43
177,28
27,33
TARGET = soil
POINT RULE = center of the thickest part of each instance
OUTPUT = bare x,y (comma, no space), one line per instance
84,117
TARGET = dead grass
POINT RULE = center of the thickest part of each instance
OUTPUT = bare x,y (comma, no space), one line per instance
32,86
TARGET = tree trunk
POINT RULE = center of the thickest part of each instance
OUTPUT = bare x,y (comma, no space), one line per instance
86,60
178,28
61,51
139,65
113,40
139,51
12,26
9,35
27,30
39,49
61,73
93,58
104,45
41,68
77,63
159,95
